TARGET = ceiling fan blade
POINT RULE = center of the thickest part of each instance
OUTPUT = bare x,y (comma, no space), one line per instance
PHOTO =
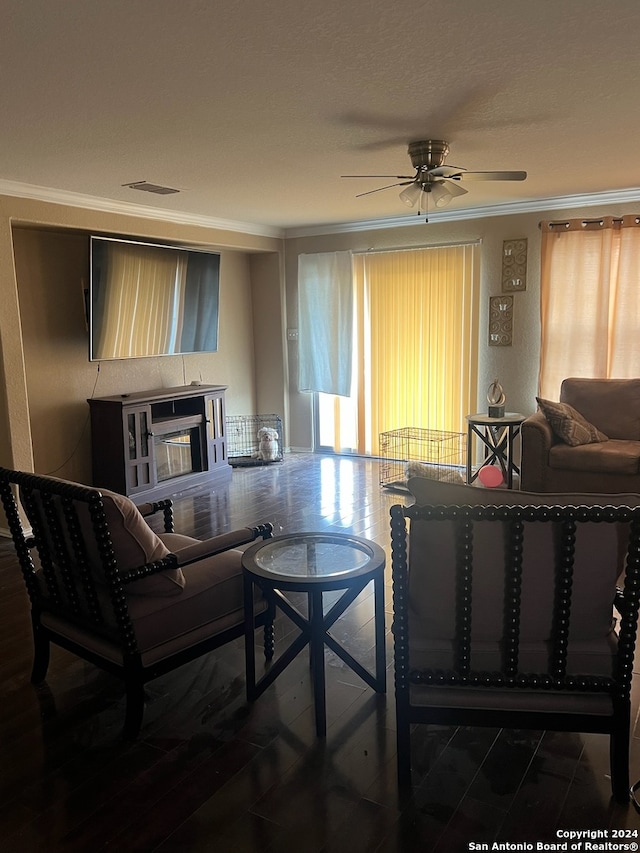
433,177
489,176
388,187
399,177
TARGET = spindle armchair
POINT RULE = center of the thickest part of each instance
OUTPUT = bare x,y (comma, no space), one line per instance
504,616
103,585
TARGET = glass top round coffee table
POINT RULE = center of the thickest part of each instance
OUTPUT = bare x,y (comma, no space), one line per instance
313,563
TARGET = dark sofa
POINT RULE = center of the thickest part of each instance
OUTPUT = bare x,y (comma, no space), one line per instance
551,465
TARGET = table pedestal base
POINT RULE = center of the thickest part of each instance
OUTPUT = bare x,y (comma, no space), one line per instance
497,436
314,632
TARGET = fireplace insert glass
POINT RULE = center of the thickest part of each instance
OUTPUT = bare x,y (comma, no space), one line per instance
177,453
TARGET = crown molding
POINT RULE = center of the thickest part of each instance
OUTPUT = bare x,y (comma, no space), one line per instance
73,199
454,215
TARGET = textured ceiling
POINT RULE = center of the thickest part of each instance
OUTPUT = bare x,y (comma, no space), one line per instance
253,110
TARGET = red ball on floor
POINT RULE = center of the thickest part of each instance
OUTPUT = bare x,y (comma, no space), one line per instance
491,476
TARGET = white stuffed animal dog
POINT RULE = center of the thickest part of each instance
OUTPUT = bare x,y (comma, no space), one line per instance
268,447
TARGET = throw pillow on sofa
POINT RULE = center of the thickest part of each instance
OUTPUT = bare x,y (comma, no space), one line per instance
569,425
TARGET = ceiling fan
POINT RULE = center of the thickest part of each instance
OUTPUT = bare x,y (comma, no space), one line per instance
432,178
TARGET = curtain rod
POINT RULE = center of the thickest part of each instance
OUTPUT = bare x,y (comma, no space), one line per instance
372,251
598,220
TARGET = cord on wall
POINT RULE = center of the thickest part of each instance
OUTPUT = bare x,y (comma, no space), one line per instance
82,431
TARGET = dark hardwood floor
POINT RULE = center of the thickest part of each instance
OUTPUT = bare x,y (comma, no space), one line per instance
211,773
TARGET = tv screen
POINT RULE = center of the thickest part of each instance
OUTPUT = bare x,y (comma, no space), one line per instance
147,299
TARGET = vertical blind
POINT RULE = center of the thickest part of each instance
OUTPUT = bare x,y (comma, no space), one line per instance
414,346
419,316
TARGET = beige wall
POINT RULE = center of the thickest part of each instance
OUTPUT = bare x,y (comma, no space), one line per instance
269,334
516,367
47,376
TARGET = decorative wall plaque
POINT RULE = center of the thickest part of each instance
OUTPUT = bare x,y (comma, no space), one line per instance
514,265
500,321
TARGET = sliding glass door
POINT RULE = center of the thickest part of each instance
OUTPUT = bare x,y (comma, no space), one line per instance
415,348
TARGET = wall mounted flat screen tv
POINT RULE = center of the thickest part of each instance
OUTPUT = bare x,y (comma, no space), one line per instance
147,299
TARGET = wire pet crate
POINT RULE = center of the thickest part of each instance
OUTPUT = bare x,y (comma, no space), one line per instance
407,452
243,442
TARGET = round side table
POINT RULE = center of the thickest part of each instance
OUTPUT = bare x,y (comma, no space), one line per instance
497,436
314,563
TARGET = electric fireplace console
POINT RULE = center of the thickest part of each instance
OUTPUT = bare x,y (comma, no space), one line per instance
151,444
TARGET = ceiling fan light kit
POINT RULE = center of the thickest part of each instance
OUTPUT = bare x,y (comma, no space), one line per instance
433,178
411,194
440,194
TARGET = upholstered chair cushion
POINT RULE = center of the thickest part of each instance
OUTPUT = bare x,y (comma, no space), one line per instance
615,456
432,585
211,602
569,425
428,492
612,405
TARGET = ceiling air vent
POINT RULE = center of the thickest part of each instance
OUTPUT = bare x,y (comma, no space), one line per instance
146,187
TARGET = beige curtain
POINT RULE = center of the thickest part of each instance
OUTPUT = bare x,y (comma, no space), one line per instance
589,308
325,322
146,286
